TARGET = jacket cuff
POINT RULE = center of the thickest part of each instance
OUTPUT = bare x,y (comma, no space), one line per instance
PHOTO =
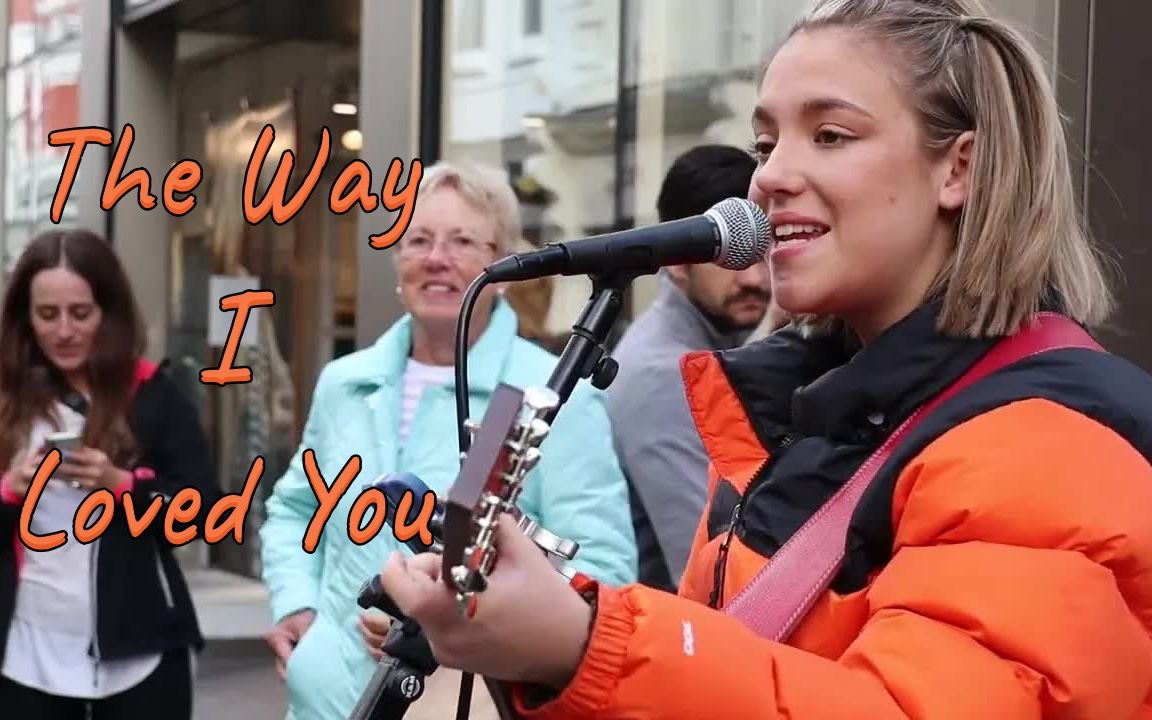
599,671
292,599
7,496
132,479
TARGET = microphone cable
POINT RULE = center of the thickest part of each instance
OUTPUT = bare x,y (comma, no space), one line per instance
464,438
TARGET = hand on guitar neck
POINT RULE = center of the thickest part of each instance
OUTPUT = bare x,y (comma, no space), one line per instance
528,625
488,600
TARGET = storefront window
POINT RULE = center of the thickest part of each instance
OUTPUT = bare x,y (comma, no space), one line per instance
227,90
688,93
585,138
42,82
531,87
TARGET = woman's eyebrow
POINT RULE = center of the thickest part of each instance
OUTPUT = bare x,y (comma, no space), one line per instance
761,116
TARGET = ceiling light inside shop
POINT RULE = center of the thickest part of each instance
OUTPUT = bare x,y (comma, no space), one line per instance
352,140
344,108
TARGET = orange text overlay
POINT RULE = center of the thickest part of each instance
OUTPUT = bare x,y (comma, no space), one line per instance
353,186
226,516
242,303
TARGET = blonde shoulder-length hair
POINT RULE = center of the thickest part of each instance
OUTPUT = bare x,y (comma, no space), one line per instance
1021,243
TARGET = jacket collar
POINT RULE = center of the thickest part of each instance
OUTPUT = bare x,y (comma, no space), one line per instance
878,386
786,384
385,360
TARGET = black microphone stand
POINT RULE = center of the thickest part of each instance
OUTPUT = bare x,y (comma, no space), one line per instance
585,356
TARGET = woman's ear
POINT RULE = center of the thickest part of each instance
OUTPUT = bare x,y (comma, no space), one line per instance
679,275
957,164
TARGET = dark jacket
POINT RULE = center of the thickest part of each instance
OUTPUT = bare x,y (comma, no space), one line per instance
143,602
655,437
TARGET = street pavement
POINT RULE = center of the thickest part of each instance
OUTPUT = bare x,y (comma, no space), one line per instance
236,676
237,680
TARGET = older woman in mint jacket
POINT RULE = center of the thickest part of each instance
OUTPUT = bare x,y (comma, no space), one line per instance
392,404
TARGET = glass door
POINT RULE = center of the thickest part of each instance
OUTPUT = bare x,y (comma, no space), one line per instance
532,88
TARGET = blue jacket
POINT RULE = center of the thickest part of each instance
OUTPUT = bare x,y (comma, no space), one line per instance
577,491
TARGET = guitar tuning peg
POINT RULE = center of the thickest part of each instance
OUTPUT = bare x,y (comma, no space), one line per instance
531,459
471,426
541,398
538,430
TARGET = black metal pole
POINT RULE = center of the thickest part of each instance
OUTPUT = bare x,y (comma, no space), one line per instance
431,79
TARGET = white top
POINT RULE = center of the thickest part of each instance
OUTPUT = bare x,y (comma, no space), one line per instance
53,625
418,376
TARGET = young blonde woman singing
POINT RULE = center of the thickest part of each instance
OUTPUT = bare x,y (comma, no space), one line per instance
999,564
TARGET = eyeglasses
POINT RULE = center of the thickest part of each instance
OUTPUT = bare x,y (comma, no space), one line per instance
459,247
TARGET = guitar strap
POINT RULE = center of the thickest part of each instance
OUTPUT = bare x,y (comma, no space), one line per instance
75,401
79,404
781,594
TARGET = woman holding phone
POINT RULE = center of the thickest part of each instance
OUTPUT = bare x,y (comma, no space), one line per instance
100,630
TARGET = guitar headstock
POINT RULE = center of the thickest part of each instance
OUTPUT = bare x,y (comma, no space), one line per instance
503,450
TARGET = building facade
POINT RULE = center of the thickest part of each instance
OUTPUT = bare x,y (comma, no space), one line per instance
583,102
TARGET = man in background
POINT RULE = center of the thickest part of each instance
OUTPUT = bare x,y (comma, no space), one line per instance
697,307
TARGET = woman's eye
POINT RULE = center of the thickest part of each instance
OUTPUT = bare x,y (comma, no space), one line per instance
760,149
830,137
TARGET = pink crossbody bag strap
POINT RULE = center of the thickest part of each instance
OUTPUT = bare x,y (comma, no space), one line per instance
780,595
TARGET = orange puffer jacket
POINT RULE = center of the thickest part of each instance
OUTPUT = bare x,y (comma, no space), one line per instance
999,566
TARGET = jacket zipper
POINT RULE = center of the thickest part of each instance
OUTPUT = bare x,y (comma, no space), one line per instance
164,586
94,574
717,595
722,557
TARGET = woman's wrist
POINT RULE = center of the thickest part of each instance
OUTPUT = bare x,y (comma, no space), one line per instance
583,618
120,478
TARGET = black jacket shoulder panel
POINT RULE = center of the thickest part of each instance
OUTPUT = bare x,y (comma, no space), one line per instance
1104,387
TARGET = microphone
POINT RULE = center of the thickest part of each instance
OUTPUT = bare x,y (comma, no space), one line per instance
395,486
734,234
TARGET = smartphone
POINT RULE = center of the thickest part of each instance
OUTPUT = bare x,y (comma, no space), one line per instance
66,442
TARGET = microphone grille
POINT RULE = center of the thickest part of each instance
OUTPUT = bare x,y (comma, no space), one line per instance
745,230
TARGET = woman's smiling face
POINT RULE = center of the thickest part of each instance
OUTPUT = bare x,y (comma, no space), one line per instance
859,207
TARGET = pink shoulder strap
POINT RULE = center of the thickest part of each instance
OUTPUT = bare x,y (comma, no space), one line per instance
779,596
145,369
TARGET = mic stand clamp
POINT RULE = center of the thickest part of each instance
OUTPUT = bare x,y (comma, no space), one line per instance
400,675
585,355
